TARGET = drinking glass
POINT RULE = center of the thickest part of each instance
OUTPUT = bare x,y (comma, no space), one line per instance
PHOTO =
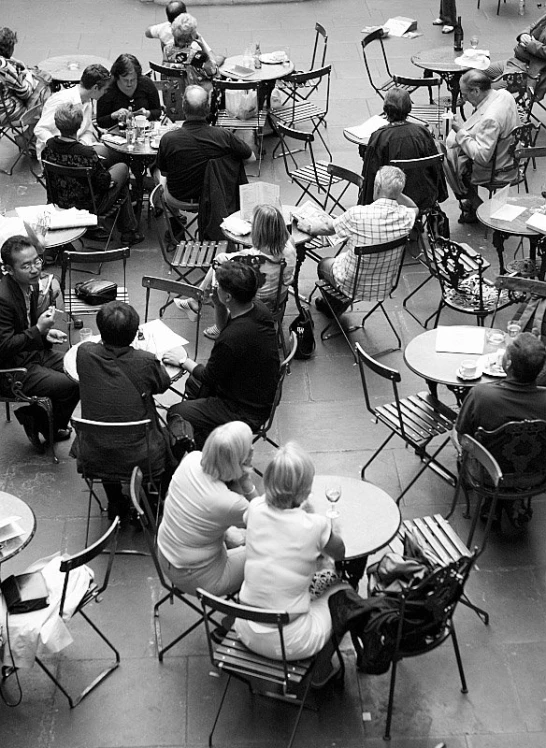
514,328
474,41
86,333
333,494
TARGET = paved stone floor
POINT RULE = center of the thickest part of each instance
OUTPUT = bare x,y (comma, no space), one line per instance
145,703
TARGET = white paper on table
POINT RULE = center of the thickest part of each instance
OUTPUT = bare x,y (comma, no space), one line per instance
460,340
158,338
236,225
499,199
398,26
366,129
507,212
537,222
10,528
258,193
60,218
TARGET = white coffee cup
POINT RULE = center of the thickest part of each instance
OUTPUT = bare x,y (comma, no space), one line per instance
469,367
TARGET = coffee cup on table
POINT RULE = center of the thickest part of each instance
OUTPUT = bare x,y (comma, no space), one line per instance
469,367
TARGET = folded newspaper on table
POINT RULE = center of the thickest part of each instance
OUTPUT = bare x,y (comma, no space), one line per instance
60,218
309,210
10,528
537,222
366,129
258,193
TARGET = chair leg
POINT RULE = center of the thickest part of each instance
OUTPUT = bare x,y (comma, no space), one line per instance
464,688
157,623
372,458
300,710
405,301
430,461
219,710
480,612
387,735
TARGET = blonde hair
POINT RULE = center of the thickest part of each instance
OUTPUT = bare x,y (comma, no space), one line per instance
225,451
269,232
183,29
288,478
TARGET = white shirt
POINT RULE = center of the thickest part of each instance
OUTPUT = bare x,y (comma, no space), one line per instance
46,128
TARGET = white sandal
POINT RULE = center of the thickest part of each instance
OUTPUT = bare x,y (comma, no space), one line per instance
211,332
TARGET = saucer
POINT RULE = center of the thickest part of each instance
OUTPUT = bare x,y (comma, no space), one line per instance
467,378
494,372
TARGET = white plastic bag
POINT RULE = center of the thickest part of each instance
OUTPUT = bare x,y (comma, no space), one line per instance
242,104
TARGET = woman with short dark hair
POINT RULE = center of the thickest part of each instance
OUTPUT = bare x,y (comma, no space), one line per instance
128,90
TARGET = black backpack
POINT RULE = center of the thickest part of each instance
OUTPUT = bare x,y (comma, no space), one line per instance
302,325
375,643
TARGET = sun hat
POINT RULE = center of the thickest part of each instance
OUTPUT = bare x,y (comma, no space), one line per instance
474,58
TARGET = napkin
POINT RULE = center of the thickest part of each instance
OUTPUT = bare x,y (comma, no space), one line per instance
236,225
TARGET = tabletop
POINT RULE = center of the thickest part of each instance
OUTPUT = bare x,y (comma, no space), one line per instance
69,68
158,338
245,240
11,506
139,150
439,60
265,73
369,518
57,237
424,360
516,227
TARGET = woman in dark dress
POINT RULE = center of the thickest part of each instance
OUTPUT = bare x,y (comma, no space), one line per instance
403,140
129,89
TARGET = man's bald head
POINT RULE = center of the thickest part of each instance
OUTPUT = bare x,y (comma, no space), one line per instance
196,102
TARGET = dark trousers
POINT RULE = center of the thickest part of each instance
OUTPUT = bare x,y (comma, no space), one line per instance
127,220
206,413
448,12
45,377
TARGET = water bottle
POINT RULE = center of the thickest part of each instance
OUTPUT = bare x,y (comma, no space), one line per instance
257,55
130,132
458,36
521,8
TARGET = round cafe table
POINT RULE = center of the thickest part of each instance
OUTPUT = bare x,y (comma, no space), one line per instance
369,519
11,506
265,73
68,69
503,229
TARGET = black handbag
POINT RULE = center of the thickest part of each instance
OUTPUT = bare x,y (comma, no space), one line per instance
303,327
96,292
25,592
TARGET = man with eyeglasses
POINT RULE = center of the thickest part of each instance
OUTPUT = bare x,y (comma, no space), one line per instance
26,340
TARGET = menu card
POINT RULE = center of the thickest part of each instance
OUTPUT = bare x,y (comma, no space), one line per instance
460,340
258,193
10,528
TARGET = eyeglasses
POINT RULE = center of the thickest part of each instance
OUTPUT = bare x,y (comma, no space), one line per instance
37,263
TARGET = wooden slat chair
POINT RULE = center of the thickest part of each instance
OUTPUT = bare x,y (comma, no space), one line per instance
431,114
416,419
196,256
74,306
318,59
291,679
387,264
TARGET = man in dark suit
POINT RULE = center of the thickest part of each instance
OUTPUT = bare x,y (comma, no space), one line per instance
26,340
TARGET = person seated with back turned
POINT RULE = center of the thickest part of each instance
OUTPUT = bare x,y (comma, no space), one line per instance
239,381
391,216
117,384
109,185
470,146
26,340
91,87
209,494
22,89
516,398
285,543
128,90
184,153
163,31
401,139
191,52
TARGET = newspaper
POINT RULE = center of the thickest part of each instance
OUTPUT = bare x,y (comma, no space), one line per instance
258,193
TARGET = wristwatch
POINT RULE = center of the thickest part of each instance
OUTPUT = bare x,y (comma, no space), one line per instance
181,362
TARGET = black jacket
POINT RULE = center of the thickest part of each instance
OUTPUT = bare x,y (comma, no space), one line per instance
19,341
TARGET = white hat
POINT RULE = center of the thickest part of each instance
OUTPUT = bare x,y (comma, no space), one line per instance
474,58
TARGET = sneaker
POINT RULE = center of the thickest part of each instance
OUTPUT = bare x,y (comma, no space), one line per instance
211,332
130,238
447,29
186,306
437,22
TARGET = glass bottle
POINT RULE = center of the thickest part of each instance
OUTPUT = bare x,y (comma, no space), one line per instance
257,55
521,8
458,36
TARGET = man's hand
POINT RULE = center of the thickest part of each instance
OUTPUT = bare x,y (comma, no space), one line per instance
525,39
56,336
46,320
455,126
143,111
176,357
305,225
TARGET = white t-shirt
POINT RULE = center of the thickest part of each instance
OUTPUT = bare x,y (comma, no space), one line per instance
282,549
198,511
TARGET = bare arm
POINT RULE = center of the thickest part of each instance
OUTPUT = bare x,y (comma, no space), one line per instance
335,547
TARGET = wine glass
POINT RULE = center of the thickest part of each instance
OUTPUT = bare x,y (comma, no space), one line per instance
474,41
333,494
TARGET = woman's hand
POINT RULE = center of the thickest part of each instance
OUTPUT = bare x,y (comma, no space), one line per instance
120,115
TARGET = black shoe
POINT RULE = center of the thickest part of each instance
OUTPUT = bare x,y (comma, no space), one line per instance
219,634
468,216
131,238
322,307
119,507
62,435
98,234
26,418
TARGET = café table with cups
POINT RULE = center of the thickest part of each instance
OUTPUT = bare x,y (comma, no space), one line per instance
273,66
66,70
459,356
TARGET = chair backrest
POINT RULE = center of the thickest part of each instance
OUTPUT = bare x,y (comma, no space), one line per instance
105,433
517,83
376,36
167,71
384,274
319,56
107,543
365,361
79,179
410,164
309,83
258,263
342,173
90,258
519,447
283,371
514,170
284,132
409,82
475,450
219,88
177,289
278,618
146,519
451,262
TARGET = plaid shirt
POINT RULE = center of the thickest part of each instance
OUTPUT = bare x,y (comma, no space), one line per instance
378,223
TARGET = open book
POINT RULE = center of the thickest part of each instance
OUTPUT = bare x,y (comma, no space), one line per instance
258,193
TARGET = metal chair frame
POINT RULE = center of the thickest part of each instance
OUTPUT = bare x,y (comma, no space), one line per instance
329,292
239,662
163,212
416,419
149,529
171,84
105,544
523,135
12,129
431,114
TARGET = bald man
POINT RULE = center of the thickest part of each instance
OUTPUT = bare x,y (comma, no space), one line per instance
185,152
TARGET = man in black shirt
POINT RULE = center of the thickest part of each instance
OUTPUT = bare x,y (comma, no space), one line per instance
185,152
238,382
